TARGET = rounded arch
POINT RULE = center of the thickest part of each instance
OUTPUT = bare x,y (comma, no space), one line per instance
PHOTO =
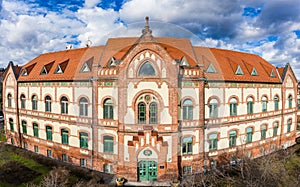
232,98
108,97
147,69
85,97
147,91
22,95
252,127
234,129
188,98
250,98
212,99
214,132
264,98
142,156
62,96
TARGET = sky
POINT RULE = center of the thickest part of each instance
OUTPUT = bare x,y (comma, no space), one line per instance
269,28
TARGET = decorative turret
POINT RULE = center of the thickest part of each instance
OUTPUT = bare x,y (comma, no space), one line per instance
146,32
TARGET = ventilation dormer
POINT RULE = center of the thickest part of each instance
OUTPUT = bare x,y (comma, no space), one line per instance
46,69
112,62
184,62
239,71
254,72
272,74
24,73
60,69
87,66
211,69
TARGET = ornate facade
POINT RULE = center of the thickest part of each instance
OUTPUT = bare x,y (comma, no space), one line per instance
149,108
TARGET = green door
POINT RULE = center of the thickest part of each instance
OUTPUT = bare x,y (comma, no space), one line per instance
147,170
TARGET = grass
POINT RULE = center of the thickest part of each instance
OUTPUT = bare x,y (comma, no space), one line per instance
2,136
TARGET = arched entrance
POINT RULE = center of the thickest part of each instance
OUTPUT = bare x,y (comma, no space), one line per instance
147,165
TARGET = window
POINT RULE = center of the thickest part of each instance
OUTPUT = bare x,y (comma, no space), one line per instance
64,157
211,69
25,145
142,113
213,164
249,135
47,104
290,101
83,162
64,136
24,127
239,71
9,98
187,109
187,145
11,124
153,113
108,142
83,107
107,168
254,72
12,141
250,105
276,103
289,124
232,138
49,153
23,101
48,133
213,141
213,108
108,109
36,149
34,102
275,129
84,139
264,102
147,70
64,105
35,130
263,131
187,170
233,107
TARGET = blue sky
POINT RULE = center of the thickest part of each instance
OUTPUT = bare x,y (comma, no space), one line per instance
270,29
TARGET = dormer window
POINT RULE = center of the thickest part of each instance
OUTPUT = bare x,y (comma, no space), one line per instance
184,62
254,72
112,62
239,71
44,71
58,70
272,74
24,73
147,69
87,66
211,69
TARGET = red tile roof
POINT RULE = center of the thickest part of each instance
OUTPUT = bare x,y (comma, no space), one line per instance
225,62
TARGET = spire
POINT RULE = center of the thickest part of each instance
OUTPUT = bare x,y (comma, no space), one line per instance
147,31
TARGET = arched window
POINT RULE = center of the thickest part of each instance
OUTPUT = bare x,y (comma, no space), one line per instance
213,141
24,127
64,136
275,129
250,105
64,105
263,132
9,100
232,138
84,140
233,106
264,102
213,108
11,124
142,113
276,103
108,109
147,70
249,135
48,133
290,101
187,113
35,130
83,107
108,144
47,104
187,145
153,113
34,101
23,101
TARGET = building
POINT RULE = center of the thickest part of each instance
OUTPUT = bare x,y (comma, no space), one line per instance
149,108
